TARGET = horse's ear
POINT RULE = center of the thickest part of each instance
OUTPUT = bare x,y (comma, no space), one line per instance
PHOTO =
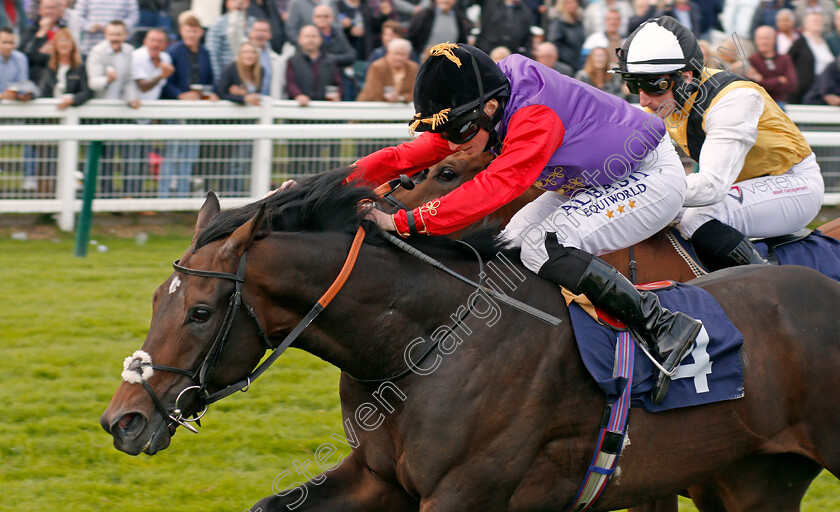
208,210
244,235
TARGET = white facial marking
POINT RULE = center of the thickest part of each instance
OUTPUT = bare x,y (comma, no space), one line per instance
174,285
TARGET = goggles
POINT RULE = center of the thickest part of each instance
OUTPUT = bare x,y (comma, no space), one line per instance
461,134
654,86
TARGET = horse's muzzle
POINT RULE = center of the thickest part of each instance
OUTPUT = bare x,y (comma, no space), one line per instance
133,433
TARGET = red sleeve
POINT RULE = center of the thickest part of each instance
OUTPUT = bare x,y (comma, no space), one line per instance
534,134
407,158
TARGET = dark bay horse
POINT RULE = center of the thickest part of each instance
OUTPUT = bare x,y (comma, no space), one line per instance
500,414
653,259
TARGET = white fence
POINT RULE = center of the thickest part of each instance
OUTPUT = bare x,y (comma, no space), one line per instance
166,155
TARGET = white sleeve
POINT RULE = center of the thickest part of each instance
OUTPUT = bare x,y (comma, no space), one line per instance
731,132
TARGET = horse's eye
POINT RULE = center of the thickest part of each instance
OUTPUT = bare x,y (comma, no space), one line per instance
200,314
448,174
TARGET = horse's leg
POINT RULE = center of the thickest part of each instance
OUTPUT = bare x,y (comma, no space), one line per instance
667,504
348,488
765,483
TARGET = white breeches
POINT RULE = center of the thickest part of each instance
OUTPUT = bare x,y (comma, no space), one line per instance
606,218
765,206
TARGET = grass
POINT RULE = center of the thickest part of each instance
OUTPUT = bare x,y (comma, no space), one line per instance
67,324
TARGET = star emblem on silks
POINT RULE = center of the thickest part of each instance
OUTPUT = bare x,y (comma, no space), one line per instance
621,208
631,204
610,214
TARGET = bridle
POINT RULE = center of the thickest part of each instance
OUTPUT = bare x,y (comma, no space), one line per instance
200,374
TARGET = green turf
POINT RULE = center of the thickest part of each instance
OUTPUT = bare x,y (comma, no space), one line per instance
67,324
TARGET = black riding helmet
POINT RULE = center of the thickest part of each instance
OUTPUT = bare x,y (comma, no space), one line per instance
661,46
451,89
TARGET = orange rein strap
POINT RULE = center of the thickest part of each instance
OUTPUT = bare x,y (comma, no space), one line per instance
355,247
319,306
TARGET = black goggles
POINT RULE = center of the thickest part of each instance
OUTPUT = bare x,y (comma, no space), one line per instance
461,134
654,86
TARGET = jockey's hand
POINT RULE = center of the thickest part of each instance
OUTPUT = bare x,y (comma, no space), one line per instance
286,184
382,219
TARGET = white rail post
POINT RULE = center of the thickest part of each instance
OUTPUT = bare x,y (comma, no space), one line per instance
68,157
261,167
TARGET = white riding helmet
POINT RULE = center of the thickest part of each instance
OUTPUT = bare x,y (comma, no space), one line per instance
658,47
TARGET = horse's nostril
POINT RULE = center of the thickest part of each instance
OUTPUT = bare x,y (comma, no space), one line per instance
131,423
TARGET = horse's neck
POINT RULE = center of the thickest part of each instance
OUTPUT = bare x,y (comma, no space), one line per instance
374,316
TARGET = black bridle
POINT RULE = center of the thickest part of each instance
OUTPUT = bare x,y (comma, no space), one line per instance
200,374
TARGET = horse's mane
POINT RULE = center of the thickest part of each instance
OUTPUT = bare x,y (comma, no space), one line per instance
323,203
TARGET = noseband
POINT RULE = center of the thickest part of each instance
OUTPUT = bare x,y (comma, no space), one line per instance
135,366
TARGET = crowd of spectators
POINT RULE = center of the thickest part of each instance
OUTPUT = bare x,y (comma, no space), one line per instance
344,50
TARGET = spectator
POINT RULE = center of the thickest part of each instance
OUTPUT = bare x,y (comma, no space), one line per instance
267,10
765,14
710,11
300,13
151,67
274,65
309,72
833,39
737,16
13,16
499,53
810,54
595,72
391,78
407,9
36,42
826,90
769,69
643,11
786,32
610,38
546,54
824,7
567,32
154,13
109,65
192,79
97,14
731,56
241,79
72,19
65,76
595,16
687,13
359,23
16,86
439,23
227,34
240,83
192,75
334,43
109,76
391,29
504,23
311,75
14,70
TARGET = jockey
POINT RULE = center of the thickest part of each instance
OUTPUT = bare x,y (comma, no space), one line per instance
612,174
736,133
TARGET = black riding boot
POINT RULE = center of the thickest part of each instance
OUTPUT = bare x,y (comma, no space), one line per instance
720,246
669,335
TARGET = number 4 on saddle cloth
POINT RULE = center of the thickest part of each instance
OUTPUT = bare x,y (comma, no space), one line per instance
711,372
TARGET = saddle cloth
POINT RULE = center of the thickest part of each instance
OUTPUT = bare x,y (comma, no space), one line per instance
816,251
711,372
